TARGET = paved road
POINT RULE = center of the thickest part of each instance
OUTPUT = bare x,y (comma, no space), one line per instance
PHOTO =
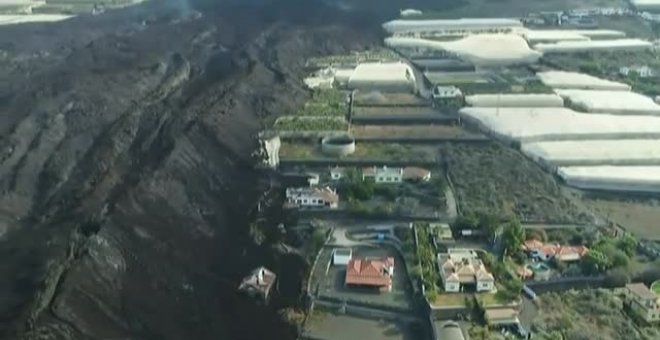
340,239
452,207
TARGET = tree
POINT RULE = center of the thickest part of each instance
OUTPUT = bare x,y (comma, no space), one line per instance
619,258
595,262
537,234
357,188
513,237
617,278
627,244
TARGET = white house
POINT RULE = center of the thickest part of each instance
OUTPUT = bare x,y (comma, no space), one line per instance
447,92
341,256
337,173
642,71
312,197
461,269
383,175
313,179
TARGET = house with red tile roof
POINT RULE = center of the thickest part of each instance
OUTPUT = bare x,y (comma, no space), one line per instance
370,272
547,251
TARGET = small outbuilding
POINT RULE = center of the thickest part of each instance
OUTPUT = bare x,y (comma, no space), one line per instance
341,256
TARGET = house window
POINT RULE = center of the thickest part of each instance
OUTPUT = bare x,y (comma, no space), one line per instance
298,201
305,201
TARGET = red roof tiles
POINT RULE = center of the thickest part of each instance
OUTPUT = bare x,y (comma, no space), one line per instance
369,272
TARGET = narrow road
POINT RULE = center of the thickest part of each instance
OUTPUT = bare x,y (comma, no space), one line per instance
452,209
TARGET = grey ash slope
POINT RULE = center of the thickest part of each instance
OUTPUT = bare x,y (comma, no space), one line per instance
126,181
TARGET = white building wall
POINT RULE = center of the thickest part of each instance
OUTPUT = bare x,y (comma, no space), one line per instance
485,286
452,287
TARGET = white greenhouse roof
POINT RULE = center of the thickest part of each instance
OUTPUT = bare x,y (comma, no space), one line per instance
402,26
594,45
574,80
383,72
24,18
479,49
549,124
515,100
595,152
534,36
646,4
613,178
617,102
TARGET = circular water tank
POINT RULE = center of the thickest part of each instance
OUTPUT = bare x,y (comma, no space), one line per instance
338,145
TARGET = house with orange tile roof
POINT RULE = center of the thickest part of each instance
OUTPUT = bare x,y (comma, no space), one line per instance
461,269
370,272
547,251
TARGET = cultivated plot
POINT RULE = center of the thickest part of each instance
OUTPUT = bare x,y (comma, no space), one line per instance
494,179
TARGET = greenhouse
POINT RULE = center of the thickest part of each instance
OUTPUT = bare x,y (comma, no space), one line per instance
595,152
388,77
541,36
553,124
452,26
574,80
646,5
594,45
515,100
613,178
615,102
480,49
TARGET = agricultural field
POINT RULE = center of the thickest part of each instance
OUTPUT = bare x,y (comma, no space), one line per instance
354,58
375,98
493,179
325,103
363,151
310,123
366,132
393,111
578,315
637,216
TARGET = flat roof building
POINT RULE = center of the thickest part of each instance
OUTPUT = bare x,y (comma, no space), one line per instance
386,77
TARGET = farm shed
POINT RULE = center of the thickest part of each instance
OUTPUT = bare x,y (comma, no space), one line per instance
574,80
551,124
595,152
479,49
452,26
616,102
388,77
594,45
515,100
341,256
613,178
